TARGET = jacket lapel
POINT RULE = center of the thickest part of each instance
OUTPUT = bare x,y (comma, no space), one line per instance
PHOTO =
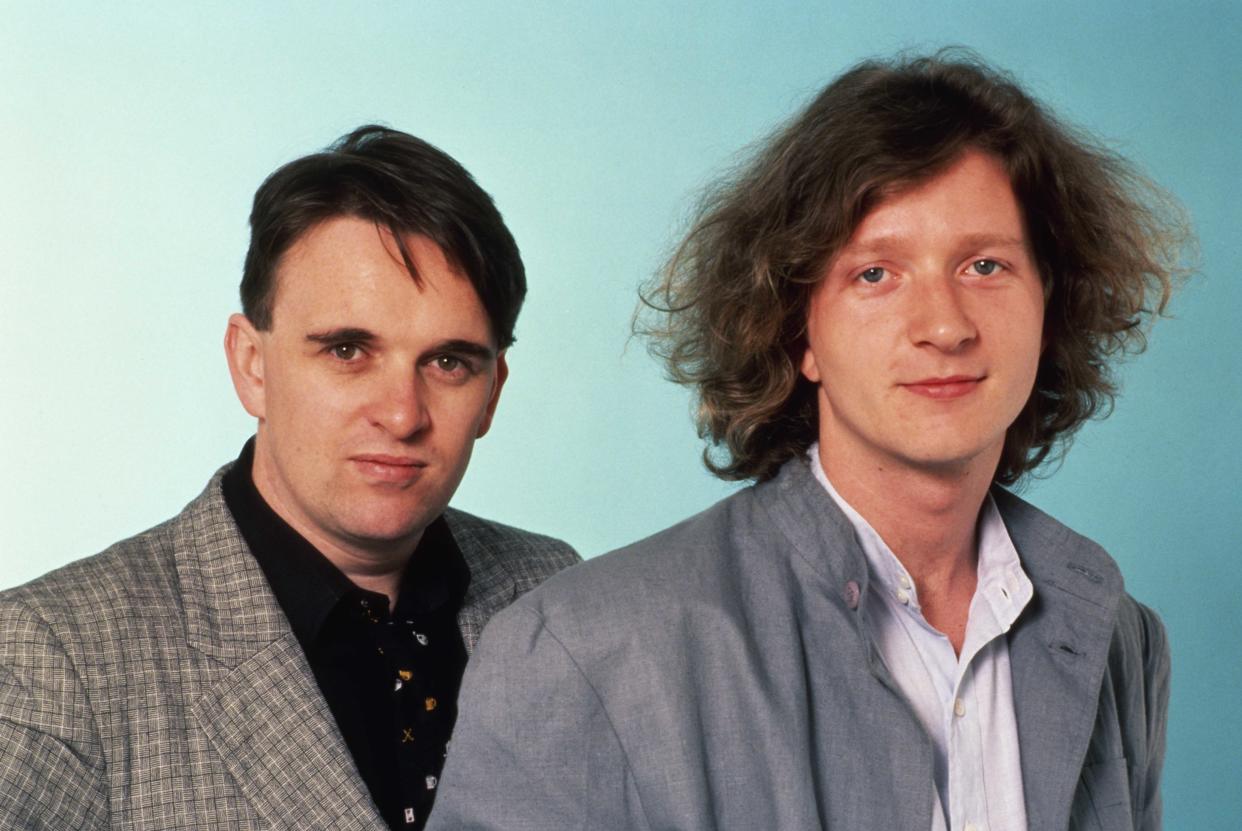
1058,650
822,535
256,699
272,728
492,585
1058,653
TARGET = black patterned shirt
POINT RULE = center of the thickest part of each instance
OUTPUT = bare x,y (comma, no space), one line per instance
390,679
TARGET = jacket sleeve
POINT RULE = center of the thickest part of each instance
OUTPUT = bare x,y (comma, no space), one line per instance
533,747
1156,671
52,772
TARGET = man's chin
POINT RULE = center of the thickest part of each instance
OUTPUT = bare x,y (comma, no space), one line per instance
384,531
952,459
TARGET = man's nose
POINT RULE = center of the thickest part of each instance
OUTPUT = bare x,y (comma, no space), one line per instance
399,403
939,317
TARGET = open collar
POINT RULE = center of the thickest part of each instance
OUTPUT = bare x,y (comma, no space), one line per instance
1058,648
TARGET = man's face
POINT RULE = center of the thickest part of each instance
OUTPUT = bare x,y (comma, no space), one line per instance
926,330
370,389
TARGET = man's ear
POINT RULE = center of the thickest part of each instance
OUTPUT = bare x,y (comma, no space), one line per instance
243,347
502,373
810,369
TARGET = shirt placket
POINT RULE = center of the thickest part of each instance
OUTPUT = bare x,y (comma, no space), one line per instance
967,804
401,645
968,808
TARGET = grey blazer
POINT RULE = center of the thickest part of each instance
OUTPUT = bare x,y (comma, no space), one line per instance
159,686
722,675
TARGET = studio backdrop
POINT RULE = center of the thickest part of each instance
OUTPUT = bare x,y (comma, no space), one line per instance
135,134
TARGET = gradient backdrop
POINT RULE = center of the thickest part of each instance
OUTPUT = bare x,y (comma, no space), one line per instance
134,135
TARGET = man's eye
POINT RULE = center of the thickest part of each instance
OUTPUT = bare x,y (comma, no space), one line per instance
872,275
345,351
450,363
985,268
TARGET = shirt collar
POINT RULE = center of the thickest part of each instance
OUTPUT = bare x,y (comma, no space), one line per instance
309,587
1000,579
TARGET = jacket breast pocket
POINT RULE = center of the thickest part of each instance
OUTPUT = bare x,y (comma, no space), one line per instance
1102,802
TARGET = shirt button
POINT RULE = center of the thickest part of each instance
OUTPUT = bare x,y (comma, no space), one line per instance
851,594
904,581
959,707
970,826
903,597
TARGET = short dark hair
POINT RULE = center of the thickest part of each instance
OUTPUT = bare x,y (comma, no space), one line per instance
402,183
728,315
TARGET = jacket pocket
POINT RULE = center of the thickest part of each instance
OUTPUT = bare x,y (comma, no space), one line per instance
1102,802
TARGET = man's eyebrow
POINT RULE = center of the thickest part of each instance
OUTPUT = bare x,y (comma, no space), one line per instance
344,334
871,246
997,240
469,348
886,242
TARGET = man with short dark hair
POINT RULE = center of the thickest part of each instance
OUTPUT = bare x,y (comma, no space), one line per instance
908,299
287,651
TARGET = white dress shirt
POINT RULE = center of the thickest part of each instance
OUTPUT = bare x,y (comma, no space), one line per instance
965,703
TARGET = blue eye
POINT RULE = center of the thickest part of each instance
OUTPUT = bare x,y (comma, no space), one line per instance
985,268
872,275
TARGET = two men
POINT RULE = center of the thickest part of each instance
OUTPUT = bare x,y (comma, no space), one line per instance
286,652
907,300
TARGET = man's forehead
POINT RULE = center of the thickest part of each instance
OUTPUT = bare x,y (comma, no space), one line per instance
979,179
405,248
337,269
338,241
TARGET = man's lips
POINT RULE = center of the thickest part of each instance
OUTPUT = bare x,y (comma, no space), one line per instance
398,469
950,386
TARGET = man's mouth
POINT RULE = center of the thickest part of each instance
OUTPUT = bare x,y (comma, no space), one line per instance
946,387
386,468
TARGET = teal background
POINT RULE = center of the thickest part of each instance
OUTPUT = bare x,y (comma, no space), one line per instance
134,135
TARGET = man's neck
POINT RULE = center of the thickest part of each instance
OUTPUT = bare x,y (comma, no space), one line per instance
372,572
928,519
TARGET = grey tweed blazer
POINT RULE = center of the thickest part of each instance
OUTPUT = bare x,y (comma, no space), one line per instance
159,686
722,676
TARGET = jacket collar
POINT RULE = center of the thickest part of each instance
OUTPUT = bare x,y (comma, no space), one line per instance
493,584
823,536
818,530
1058,648
259,703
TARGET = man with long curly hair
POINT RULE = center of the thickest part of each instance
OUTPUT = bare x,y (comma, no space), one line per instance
911,297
